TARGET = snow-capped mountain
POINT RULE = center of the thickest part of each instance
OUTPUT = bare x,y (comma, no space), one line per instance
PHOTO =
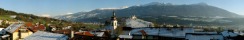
153,12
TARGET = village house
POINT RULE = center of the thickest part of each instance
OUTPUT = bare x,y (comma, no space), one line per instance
17,31
36,27
42,35
85,35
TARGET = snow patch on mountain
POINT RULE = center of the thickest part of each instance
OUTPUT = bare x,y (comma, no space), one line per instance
133,22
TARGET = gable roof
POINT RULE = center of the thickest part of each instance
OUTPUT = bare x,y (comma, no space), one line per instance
41,35
13,27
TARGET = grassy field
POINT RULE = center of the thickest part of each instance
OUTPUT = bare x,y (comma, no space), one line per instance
6,17
92,26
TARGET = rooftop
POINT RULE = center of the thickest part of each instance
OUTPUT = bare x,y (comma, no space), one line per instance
165,32
125,36
229,34
41,35
204,36
99,34
84,33
37,27
13,27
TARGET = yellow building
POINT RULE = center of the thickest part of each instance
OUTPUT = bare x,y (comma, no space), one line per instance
18,31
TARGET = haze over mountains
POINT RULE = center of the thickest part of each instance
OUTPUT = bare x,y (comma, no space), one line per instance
158,13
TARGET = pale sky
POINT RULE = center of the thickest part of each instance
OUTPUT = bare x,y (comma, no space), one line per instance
60,7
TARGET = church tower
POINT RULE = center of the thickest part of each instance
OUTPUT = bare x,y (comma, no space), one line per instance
114,21
133,17
114,25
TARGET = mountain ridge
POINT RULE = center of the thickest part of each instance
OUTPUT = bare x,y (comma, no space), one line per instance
152,10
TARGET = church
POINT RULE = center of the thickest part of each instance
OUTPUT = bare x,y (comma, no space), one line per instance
112,25
134,22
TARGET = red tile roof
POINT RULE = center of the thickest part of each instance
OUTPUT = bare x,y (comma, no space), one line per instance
37,27
86,33
63,31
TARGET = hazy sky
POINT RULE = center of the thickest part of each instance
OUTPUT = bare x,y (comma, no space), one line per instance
60,7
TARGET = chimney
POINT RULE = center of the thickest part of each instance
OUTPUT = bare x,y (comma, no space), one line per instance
144,34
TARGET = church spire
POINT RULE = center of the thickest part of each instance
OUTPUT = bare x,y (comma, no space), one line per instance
113,17
113,13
